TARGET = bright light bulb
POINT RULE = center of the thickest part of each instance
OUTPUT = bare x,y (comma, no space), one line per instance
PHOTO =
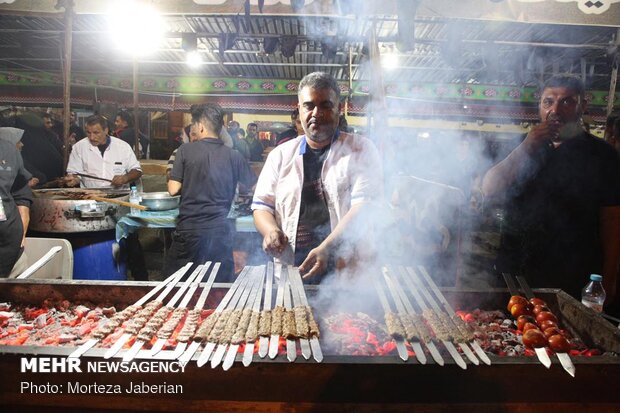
389,60
135,28
194,59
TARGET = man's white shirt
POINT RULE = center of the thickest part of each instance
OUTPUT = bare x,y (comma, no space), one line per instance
117,159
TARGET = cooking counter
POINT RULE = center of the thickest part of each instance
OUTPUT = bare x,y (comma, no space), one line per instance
355,383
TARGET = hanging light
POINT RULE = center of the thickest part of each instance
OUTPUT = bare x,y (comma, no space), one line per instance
389,59
135,28
194,59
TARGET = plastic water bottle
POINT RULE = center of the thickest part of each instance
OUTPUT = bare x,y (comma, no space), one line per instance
134,198
593,294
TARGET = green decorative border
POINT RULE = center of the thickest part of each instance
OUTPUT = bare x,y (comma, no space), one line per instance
202,85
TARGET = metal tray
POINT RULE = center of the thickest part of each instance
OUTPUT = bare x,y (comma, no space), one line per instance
159,201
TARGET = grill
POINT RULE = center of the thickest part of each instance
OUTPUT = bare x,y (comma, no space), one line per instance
356,382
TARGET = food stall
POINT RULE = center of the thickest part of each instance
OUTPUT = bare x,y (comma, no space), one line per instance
86,345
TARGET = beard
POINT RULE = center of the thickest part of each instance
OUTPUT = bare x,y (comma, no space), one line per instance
570,130
320,133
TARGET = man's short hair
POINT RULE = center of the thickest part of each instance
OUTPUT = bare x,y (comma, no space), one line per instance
126,117
97,120
47,116
210,113
319,80
252,124
568,81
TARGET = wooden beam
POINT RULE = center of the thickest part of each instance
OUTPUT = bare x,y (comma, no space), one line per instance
68,4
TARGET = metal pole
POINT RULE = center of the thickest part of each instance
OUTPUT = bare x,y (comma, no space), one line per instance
67,79
135,107
346,103
614,79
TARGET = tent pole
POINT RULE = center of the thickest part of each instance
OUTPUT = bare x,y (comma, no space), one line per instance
67,79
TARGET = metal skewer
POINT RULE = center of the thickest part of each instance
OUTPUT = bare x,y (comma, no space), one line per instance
256,287
138,344
429,298
92,342
248,351
291,348
263,342
274,340
400,344
420,301
404,307
180,348
304,343
206,353
126,336
230,305
218,356
315,346
565,361
479,351
429,344
541,352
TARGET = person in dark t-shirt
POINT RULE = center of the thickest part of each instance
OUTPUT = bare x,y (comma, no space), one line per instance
205,174
561,188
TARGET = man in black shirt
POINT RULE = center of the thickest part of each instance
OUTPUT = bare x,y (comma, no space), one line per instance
125,131
562,192
42,153
206,174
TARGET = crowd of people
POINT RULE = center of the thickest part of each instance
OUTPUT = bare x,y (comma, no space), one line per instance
560,187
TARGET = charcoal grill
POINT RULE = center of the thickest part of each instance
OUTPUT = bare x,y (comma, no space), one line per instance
357,383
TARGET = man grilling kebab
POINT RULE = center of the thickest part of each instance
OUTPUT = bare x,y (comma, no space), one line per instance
313,187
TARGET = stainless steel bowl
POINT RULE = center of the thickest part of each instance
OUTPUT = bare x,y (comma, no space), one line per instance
159,201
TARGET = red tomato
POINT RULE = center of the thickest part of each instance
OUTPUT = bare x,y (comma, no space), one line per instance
537,301
547,324
534,338
529,326
559,344
539,308
545,315
551,331
516,299
521,320
521,309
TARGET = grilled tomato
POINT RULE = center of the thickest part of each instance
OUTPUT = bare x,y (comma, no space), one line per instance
545,315
534,339
516,299
547,324
522,320
537,301
551,331
559,344
540,308
521,309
